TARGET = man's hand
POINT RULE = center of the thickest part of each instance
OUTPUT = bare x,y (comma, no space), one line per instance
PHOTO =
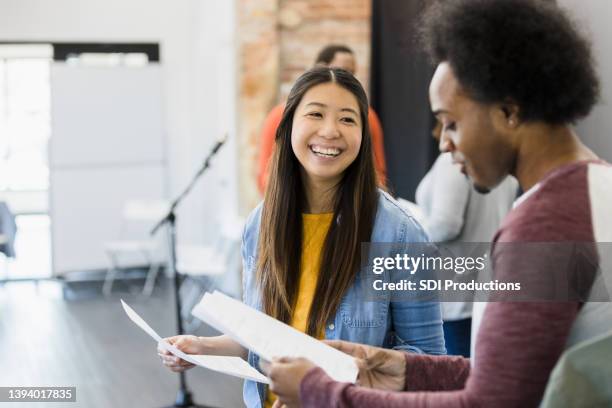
378,368
285,376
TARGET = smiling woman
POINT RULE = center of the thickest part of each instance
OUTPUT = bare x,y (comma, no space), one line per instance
326,112
321,204
326,139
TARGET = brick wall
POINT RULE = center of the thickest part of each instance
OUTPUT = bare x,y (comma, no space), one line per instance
278,40
322,22
258,72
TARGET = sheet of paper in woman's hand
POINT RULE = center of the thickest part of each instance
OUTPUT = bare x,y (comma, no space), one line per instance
270,338
224,364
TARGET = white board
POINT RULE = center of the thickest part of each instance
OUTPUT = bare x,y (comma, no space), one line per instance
106,116
107,146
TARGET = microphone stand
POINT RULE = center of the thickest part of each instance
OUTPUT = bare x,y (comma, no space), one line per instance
183,396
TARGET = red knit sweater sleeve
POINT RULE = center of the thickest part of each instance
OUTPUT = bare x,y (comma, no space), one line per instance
519,344
266,145
378,146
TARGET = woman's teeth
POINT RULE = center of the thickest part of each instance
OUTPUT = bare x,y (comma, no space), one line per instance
325,151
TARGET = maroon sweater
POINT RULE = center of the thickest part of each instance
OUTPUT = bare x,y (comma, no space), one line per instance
518,343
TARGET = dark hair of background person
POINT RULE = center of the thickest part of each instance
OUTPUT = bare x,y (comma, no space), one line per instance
280,236
327,54
526,52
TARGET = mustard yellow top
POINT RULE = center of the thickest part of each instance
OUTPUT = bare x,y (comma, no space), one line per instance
315,227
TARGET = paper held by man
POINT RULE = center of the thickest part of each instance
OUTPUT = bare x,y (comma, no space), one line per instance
258,332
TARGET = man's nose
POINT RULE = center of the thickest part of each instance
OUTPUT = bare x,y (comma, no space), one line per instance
445,145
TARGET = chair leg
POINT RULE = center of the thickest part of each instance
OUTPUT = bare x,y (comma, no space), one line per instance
189,300
149,285
185,292
110,276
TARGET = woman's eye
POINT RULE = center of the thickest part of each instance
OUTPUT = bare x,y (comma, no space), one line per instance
348,120
315,114
450,126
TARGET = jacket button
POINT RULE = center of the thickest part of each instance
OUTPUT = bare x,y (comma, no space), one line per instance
331,326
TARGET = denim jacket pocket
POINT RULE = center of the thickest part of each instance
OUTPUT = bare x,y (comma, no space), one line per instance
363,314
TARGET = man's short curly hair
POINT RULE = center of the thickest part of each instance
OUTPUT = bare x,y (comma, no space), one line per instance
528,52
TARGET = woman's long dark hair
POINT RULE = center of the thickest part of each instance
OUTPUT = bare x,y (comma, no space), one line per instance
280,237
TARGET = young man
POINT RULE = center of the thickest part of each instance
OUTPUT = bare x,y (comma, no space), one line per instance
512,77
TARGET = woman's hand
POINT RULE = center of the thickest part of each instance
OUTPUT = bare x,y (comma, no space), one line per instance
187,344
379,368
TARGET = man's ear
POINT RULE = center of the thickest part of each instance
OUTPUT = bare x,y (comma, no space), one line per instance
506,115
511,114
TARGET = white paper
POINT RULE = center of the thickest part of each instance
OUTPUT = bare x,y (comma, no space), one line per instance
139,321
270,338
230,365
224,364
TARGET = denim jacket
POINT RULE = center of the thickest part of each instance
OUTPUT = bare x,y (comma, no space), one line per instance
409,326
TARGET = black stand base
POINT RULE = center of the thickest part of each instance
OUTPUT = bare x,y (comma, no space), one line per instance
184,400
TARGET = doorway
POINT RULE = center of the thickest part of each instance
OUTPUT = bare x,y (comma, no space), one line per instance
25,128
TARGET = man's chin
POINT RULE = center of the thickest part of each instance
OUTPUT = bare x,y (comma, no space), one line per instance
481,189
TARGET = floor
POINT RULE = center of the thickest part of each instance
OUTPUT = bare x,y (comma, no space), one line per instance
91,344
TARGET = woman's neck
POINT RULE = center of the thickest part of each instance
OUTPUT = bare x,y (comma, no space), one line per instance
319,195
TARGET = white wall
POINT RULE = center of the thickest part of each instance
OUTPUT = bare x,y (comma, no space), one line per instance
595,16
198,60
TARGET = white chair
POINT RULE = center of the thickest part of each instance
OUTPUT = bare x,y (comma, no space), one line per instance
207,267
136,244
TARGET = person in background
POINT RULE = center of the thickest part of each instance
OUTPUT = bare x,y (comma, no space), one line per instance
334,56
454,213
512,77
301,246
